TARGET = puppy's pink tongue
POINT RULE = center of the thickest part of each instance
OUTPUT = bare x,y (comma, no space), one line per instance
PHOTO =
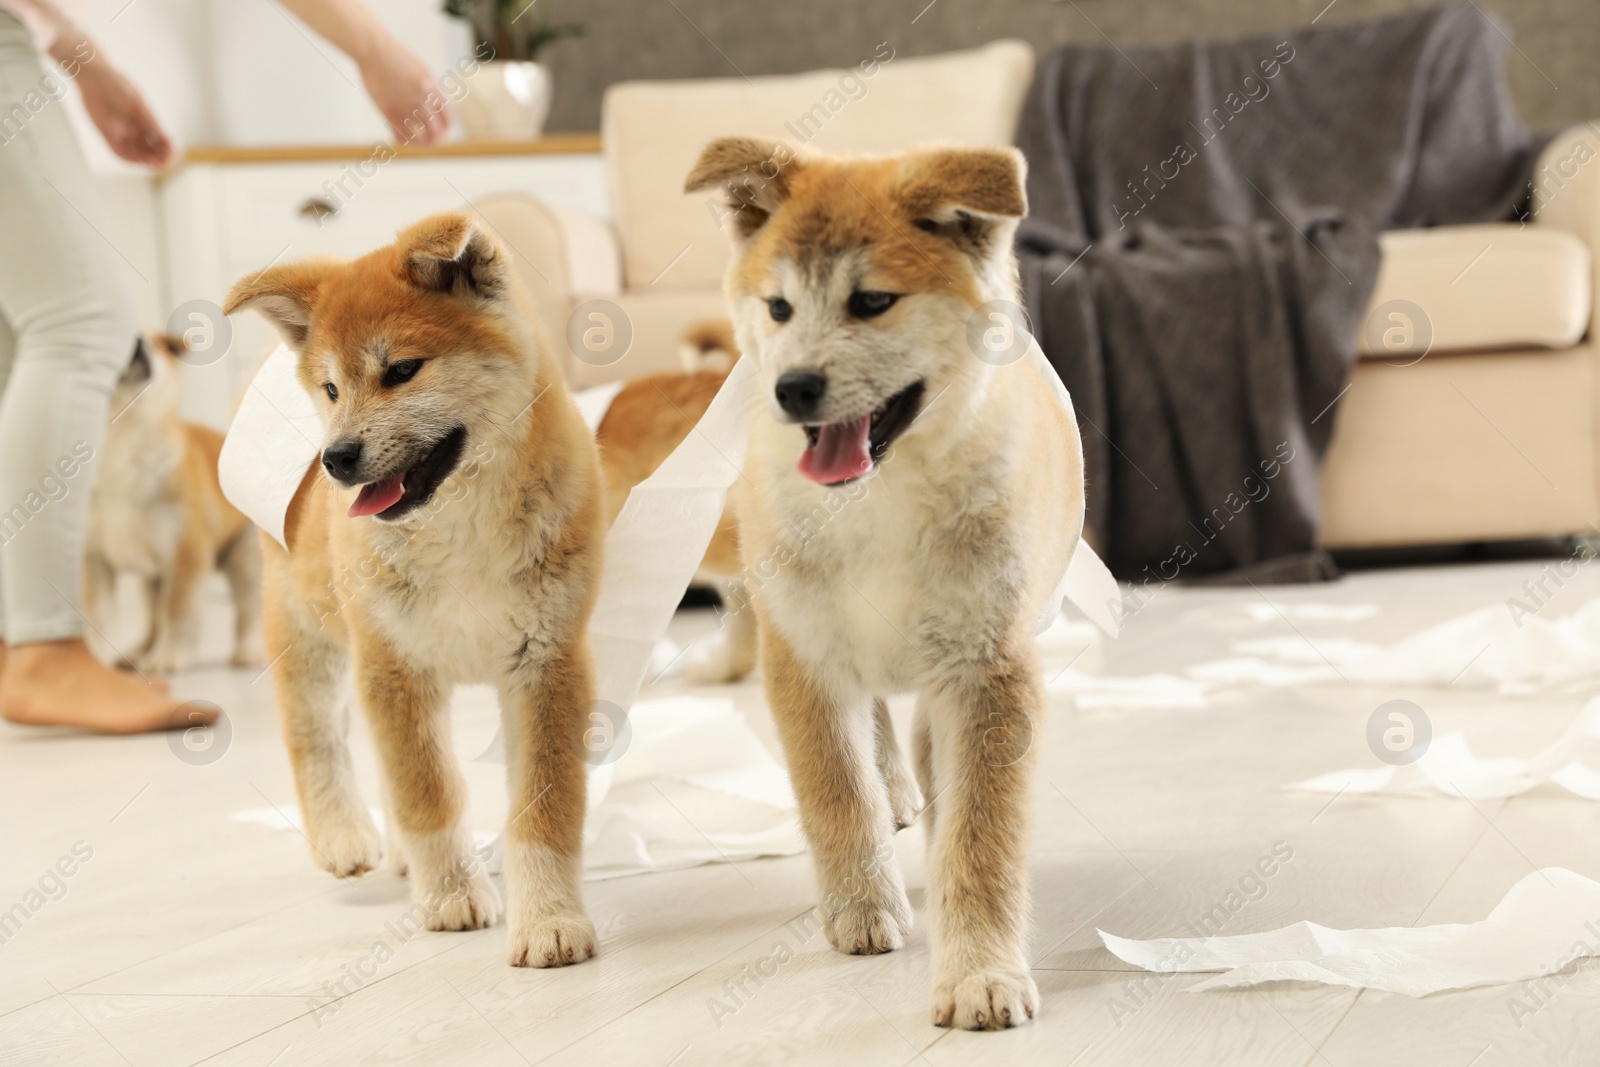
377,496
843,451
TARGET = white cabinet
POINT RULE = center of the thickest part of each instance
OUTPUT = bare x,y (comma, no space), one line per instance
227,214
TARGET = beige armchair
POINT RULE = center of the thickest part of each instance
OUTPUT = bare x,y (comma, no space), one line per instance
1472,415
1475,418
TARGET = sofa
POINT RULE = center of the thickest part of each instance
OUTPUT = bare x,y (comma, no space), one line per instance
1471,416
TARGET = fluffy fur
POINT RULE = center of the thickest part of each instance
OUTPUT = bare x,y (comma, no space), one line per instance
158,512
926,574
420,350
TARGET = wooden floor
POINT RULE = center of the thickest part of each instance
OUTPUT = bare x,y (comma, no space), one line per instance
189,937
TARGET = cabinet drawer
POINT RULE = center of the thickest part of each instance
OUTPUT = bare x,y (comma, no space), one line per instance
283,212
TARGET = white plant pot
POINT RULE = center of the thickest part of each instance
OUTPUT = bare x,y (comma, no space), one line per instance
506,101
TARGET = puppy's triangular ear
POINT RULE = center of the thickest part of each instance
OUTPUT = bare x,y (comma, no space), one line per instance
969,195
754,175
284,296
173,343
454,253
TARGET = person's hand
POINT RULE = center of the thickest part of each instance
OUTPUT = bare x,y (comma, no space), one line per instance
121,115
407,94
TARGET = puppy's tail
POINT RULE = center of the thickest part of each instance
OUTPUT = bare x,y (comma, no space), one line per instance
708,345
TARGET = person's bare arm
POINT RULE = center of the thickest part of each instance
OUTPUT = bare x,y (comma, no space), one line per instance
404,90
112,101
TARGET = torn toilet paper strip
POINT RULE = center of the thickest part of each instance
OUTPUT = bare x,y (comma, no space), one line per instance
275,435
1544,925
1449,767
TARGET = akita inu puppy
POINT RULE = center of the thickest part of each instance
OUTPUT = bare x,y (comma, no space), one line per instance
857,284
157,511
450,535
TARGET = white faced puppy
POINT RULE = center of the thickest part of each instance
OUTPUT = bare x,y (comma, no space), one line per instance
157,511
941,495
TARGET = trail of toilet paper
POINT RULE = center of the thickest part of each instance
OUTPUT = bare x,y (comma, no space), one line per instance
1450,767
651,551
698,787
1545,924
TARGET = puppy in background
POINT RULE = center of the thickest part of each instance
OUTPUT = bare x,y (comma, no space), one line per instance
953,490
157,511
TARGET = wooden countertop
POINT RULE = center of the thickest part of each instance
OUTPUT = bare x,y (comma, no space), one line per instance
553,144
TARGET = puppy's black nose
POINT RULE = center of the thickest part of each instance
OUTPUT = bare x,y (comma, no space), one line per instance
799,392
341,460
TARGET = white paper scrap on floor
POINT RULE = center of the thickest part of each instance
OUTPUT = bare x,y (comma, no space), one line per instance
1546,922
1504,647
1447,765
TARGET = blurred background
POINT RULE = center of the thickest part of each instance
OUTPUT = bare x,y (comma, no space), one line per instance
245,72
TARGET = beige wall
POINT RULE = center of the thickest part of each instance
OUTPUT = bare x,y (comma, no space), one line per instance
1556,76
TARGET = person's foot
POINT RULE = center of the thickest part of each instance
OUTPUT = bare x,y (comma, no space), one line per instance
60,683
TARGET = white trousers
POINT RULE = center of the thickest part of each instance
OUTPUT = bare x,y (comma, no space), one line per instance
66,334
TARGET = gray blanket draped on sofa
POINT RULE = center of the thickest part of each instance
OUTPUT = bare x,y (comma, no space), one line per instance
1202,243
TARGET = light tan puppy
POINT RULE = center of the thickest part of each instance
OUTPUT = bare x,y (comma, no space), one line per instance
157,511
647,419
943,494
451,535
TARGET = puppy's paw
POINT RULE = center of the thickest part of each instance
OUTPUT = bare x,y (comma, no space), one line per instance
346,847
551,940
905,799
869,926
463,901
992,999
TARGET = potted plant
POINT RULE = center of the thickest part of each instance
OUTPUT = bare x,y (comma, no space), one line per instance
508,99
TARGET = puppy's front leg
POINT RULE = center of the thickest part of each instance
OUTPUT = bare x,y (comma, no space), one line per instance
308,670
544,710
174,609
406,709
984,725
241,564
830,744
